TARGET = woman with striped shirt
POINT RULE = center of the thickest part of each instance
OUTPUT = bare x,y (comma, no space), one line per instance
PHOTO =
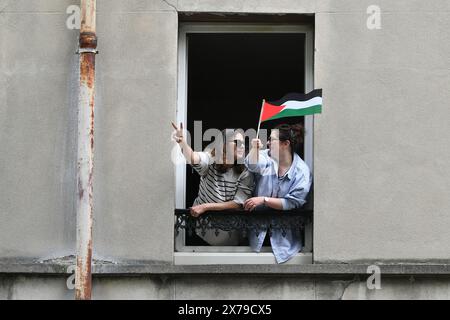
225,183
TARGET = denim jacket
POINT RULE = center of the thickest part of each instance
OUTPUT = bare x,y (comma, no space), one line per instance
292,189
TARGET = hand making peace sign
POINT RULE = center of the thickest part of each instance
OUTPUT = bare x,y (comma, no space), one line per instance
178,133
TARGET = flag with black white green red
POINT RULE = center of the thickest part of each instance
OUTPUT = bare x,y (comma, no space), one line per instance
293,105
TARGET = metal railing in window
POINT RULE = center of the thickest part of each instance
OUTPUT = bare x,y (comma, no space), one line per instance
243,221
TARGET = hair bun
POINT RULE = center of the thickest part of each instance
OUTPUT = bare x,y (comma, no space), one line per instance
292,132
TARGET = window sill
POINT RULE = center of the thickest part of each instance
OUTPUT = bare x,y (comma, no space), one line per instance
136,268
245,258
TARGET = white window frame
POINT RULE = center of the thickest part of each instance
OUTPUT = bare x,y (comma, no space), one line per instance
229,254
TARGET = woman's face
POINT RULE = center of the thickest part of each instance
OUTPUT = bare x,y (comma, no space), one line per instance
239,144
235,149
273,144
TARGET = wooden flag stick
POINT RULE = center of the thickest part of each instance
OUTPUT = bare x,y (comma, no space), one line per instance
260,115
257,132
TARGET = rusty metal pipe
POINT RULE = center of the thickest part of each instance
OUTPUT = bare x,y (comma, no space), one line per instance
87,52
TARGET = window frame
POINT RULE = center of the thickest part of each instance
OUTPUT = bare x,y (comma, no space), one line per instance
223,254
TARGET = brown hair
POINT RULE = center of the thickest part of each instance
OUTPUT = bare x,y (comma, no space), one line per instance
228,135
293,133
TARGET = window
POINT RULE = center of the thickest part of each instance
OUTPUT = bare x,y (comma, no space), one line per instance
224,71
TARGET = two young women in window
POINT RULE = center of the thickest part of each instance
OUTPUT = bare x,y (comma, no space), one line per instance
274,178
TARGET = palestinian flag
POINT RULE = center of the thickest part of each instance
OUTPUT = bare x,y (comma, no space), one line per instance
293,105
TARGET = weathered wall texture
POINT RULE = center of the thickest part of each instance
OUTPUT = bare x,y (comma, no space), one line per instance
381,145
231,288
37,129
134,177
136,98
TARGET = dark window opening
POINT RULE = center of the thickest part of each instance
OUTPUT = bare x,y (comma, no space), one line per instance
229,74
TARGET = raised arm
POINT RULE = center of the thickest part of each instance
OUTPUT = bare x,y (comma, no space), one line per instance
252,157
190,155
256,160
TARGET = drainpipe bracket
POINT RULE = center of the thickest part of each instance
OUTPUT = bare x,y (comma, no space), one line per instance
86,50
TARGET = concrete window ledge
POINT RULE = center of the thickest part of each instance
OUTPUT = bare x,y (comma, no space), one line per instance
129,268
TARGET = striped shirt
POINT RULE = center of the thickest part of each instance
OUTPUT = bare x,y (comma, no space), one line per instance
218,187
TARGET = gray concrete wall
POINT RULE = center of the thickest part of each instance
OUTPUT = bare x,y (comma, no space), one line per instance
37,129
136,98
228,288
381,144
137,91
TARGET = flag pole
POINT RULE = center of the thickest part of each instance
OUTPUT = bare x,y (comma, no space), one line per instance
260,115
257,132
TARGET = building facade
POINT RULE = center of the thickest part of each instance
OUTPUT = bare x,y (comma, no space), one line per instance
379,151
